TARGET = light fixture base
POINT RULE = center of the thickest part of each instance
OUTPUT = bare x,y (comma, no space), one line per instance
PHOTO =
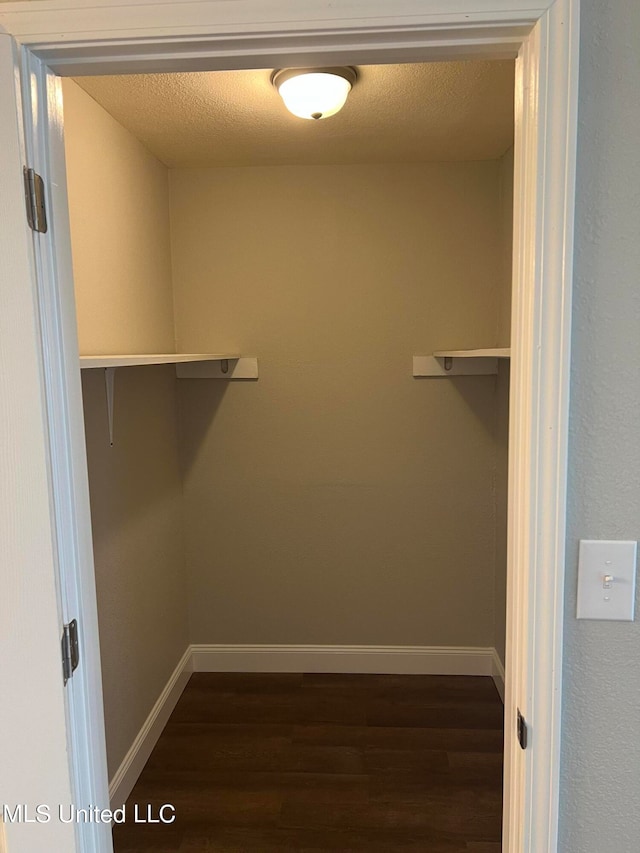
348,72
314,93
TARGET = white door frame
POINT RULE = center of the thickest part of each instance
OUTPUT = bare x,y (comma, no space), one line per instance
77,37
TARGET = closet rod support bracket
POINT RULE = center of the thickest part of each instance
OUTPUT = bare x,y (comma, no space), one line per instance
109,381
225,368
432,365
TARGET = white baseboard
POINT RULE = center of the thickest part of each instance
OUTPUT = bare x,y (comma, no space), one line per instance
127,774
392,660
395,660
497,672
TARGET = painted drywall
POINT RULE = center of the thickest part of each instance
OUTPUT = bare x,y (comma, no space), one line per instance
120,233
338,499
502,404
600,787
433,111
501,499
122,277
136,511
600,752
506,218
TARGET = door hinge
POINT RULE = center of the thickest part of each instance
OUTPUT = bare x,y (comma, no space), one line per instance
70,650
522,730
34,198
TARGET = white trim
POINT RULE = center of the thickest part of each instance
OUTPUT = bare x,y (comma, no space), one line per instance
34,756
497,673
129,771
58,30
107,36
75,37
544,195
90,362
388,660
62,397
395,660
491,352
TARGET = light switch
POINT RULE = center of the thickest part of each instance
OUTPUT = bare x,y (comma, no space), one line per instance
606,580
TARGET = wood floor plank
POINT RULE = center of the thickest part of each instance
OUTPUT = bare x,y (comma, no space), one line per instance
143,839
326,759
205,804
204,746
247,682
426,762
403,737
465,715
270,708
440,815
260,763
283,840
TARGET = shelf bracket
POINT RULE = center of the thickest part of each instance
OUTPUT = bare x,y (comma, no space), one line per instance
431,365
211,368
224,368
109,381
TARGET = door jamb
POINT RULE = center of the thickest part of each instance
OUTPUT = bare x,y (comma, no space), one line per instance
44,143
547,40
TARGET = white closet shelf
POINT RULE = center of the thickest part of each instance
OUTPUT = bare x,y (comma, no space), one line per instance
200,365
91,361
460,362
492,352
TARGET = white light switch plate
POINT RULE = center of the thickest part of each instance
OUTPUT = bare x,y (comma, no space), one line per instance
606,580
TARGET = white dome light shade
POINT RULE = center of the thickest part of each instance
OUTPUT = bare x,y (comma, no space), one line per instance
314,93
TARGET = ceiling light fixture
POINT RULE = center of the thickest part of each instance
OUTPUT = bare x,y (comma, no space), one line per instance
314,92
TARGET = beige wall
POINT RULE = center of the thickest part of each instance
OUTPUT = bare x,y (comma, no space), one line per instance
122,278
120,233
506,218
339,500
502,403
136,511
506,224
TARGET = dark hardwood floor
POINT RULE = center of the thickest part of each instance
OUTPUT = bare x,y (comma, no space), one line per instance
272,763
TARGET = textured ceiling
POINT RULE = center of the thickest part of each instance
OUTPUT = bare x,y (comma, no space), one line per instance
395,113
